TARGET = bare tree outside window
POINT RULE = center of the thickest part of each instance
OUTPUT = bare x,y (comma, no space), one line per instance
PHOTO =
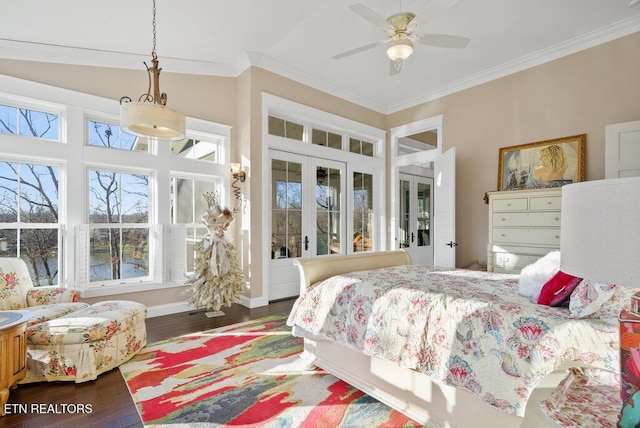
29,218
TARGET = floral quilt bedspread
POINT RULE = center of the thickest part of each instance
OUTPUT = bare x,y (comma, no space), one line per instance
468,329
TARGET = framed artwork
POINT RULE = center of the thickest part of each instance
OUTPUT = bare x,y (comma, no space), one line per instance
549,163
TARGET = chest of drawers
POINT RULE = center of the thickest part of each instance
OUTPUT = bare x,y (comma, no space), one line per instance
524,225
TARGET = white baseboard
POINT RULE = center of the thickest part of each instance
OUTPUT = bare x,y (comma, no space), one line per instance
177,307
253,303
169,308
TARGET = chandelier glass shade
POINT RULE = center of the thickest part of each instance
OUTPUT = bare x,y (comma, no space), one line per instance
150,116
400,49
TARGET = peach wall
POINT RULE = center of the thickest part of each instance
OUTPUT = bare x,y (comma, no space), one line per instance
577,94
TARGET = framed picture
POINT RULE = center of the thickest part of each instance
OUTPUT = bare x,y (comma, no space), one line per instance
549,163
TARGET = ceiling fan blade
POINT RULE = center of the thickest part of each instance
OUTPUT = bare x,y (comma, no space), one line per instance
360,49
442,40
370,15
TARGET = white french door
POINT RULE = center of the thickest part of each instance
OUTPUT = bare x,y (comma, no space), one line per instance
308,215
415,217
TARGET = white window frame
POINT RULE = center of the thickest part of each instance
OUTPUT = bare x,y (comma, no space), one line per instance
310,117
74,157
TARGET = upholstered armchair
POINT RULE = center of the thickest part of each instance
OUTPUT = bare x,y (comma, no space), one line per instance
47,302
67,339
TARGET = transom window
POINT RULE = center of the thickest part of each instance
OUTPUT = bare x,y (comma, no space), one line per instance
32,123
106,135
285,128
326,138
308,132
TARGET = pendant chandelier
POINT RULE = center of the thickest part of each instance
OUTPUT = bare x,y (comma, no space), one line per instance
150,116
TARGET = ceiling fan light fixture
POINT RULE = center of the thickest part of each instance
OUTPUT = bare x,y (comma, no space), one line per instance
400,50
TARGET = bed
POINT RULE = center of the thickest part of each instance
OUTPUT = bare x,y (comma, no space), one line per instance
446,347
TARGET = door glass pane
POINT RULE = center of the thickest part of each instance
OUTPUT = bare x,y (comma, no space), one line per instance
424,201
405,212
328,208
362,212
286,209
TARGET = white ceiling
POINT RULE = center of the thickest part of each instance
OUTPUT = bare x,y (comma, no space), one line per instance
297,39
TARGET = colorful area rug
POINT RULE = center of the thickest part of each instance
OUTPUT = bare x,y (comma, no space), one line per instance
249,375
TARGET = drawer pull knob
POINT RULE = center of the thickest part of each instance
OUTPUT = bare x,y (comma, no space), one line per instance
556,218
549,203
557,236
503,219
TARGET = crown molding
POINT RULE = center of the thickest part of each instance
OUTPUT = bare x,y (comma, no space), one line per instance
577,44
253,59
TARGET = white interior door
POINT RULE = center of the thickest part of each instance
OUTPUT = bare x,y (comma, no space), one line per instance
415,208
308,205
444,217
622,150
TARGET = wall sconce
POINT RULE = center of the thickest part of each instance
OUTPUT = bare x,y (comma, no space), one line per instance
240,175
237,173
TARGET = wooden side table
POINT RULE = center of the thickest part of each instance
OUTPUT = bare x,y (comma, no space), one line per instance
13,351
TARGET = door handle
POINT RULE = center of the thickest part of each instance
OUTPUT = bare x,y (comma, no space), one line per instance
451,244
306,243
412,237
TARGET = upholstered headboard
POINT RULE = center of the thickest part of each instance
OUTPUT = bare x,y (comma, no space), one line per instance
318,269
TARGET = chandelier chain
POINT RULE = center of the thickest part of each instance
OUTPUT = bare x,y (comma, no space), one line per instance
153,52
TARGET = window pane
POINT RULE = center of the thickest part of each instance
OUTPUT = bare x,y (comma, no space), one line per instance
318,137
354,145
8,192
8,119
104,250
334,141
424,206
8,243
183,200
196,149
116,197
276,126
405,203
187,199
119,253
38,124
367,149
38,193
286,213
328,191
39,249
135,253
294,131
362,212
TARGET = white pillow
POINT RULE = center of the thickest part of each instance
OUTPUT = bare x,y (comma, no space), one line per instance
535,275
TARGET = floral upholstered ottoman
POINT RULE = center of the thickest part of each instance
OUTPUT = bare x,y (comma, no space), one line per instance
81,345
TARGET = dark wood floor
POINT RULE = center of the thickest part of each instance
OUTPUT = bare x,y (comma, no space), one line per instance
108,395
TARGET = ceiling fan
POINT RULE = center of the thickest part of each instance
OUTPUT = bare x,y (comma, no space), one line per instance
400,30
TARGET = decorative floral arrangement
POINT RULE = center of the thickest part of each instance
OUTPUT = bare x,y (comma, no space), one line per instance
218,279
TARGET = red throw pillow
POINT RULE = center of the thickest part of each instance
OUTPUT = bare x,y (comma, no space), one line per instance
557,290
